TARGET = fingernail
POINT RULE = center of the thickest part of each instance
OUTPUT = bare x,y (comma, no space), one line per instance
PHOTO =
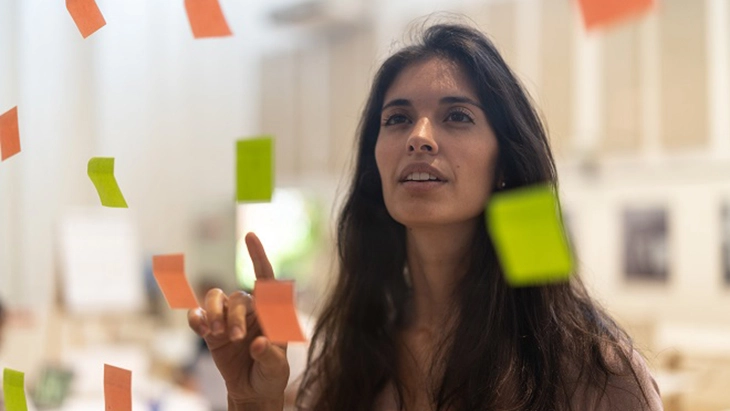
218,328
236,333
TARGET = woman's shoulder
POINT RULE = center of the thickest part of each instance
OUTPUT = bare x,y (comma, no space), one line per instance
629,386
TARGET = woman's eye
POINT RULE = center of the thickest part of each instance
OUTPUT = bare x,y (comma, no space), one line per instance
459,117
395,119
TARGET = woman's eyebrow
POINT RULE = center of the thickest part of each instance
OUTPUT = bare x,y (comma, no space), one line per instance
460,99
399,102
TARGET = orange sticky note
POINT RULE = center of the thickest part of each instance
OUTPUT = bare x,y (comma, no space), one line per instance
9,134
599,13
276,312
86,15
169,271
206,18
117,388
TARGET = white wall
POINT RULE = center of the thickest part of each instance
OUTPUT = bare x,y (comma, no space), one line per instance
692,194
8,99
168,107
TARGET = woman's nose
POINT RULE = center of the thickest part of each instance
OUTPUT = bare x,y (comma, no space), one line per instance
421,139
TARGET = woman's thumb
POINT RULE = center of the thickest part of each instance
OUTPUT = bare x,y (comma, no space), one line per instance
270,358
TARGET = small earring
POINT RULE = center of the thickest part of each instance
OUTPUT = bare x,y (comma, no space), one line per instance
502,184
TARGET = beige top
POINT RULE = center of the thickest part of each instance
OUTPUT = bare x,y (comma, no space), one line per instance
622,392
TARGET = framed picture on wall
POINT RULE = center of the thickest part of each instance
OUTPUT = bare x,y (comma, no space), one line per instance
646,256
725,227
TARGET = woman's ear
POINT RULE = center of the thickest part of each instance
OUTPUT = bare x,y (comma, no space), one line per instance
499,181
501,184
499,177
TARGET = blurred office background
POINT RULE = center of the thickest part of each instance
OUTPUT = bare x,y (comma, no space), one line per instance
638,115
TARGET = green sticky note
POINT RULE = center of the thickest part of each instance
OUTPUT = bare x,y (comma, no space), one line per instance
254,169
14,390
101,172
528,236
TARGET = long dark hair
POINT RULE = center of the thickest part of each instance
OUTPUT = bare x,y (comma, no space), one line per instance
535,340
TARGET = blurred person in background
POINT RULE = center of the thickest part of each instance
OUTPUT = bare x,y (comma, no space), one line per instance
420,316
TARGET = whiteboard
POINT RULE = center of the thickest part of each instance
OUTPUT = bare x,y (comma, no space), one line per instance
101,263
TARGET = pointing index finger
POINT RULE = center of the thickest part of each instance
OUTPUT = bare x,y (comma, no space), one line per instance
261,265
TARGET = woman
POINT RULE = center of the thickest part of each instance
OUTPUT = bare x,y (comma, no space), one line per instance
420,317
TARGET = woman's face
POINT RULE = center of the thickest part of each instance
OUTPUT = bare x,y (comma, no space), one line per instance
436,152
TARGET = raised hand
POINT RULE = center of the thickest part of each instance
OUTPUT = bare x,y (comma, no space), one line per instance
255,370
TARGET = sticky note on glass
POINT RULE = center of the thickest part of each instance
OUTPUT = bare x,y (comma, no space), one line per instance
254,169
206,19
276,311
9,134
600,13
14,390
169,272
117,388
86,15
101,172
528,235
